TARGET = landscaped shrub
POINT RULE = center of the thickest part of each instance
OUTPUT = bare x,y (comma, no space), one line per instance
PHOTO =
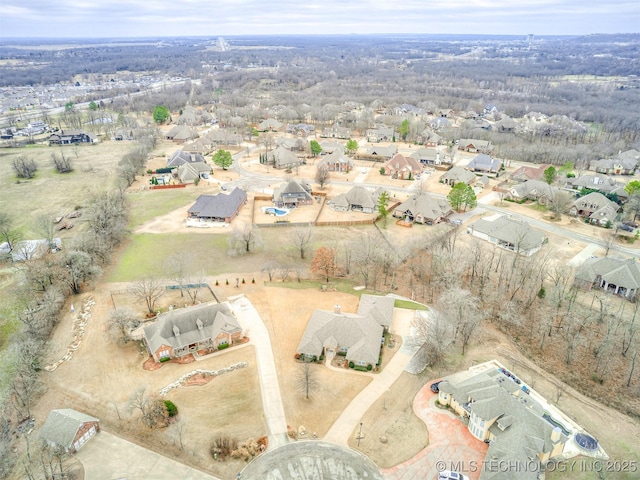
222,346
227,281
217,284
164,170
164,359
172,410
253,280
342,354
351,364
243,280
321,359
297,356
369,367
360,368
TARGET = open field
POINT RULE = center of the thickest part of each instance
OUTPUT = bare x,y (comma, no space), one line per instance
51,193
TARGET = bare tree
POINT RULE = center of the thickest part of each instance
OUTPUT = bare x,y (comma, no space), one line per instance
560,203
78,268
322,175
24,167
61,163
120,323
306,381
148,290
608,239
178,270
300,239
245,238
462,310
431,334
43,225
270,269
152,410
8,232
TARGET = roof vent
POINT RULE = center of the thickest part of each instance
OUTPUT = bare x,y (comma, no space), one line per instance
176,331
199,324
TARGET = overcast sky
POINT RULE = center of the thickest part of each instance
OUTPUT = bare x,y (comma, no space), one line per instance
142,18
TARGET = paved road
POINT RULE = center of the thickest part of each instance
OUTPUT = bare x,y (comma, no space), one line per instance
311,460
108,457
272,404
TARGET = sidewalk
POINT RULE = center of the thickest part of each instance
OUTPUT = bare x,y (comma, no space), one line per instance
270,388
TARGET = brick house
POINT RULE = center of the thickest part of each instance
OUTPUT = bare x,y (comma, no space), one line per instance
177,333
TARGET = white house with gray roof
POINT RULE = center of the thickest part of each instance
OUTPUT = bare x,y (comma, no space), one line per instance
596,207
177,333
537,190
68,429
613,275
358,336
508,233
504,413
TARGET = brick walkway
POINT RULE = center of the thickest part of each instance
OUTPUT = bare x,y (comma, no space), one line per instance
451,445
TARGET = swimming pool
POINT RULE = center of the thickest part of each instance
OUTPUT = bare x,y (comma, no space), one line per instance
278,212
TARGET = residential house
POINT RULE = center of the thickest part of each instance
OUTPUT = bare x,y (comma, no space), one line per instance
427,156
625,163
537,190
70,137
439,123
180,157
524,173
192,117
613,275
301,129
201,146
429,138
223,207
506,125
508,233
224,136
337,162
382,151
68,429
602,183
458,175
181,134
184,331
293,144
595,207
484,163
336,131
283,158
423,208
402,168
499,410
472,145
269,125
382,134
189,172
292,194
358,336
358,199
330,146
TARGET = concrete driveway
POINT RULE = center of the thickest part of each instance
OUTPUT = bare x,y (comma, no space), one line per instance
107,457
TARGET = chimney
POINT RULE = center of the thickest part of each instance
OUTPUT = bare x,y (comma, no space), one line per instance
555,435
438,157
336,308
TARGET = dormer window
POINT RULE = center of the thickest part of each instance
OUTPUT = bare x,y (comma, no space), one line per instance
176,331
199,324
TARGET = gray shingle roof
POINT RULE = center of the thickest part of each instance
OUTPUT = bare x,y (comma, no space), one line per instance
426,206
515,232
378,308
623,273
63,424
359,196
180,328
458,174
218,206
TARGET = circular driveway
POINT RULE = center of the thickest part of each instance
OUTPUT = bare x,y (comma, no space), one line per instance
311,459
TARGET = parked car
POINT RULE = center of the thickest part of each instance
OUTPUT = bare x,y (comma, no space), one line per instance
626,228
449,475
631,224
435,387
